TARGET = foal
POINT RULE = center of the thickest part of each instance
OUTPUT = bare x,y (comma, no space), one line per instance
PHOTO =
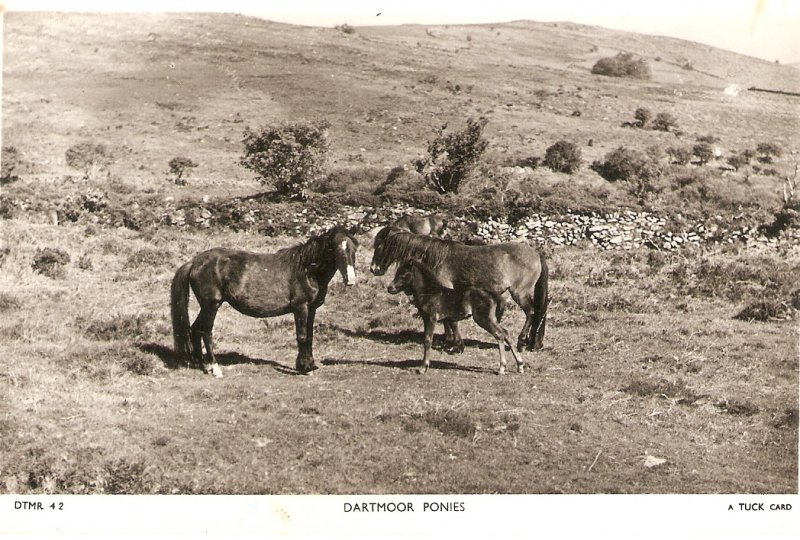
438,303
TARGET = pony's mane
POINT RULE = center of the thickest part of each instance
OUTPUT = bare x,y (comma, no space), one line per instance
313,250
400,246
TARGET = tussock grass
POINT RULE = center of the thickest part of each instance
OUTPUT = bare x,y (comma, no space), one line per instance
148,258
9,301
676,390
135,327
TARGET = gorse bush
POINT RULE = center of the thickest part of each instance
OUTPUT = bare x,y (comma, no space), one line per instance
453,156
623,164
290,155
623,65
563,156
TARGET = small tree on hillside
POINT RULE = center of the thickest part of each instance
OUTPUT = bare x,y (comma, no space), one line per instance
563,156
178,166
88,157
452,156
291,155
642,116
704,152
664,122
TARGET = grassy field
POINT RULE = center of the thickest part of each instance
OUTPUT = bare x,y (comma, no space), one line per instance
648,382
633,370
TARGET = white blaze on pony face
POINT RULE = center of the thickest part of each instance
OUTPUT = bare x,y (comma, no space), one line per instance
350,275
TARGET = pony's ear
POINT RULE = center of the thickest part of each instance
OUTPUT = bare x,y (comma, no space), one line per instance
352,232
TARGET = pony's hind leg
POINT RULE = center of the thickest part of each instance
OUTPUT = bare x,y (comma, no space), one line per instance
202,330
485,317
430,326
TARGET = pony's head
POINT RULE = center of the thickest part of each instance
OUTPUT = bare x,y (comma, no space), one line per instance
344,248
380,260
403,279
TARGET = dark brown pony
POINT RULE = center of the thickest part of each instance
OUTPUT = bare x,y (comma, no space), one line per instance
431,225
514,267
292,280
436,303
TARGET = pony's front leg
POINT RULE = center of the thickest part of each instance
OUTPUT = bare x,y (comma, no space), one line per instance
430,326
305,360
312,313
453,341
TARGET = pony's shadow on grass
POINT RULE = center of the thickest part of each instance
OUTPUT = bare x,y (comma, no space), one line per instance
402,337
226,359
405,364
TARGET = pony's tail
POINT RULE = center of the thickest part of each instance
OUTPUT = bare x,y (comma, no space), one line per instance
541,300
179,301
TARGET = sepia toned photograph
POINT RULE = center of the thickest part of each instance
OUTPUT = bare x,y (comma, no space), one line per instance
380,250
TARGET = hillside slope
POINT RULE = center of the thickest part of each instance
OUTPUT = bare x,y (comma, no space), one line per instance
155,86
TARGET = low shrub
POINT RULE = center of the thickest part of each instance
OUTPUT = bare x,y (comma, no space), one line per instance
768,151
622,164
642,116
563,156
704,152
50,262
9,302
147,258
9,162
765,310
677,390
531,162
664,122
364,178
123,327
623,65
744,277
737,161
710,139
679,155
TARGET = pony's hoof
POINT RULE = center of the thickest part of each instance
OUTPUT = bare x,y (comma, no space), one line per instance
421,371
307,370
